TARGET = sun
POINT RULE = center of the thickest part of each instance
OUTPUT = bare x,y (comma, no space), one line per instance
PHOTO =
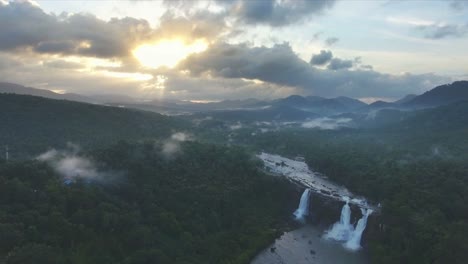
167,53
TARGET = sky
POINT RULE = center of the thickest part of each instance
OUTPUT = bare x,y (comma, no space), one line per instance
234,49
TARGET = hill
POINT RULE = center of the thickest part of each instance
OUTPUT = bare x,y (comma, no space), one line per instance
441,95
320,105
405,99
447,117
11,88
32,124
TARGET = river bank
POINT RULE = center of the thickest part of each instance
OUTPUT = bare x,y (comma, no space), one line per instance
306,245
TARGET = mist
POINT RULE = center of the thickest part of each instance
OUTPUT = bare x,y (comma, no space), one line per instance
326,123
171,146
72,166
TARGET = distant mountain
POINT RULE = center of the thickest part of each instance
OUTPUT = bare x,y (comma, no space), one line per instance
294,101
447,117
114,98
320,105
232,104
405,99
314,98
441,95
11,88
31,124
177,107
273,113
381,104
350,102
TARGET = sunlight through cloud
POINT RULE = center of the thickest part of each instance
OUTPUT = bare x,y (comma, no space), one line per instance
167,53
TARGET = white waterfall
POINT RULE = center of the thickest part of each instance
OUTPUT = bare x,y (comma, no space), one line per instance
303,209
354,242
342,230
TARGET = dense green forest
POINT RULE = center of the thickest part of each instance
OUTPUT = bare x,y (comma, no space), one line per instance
206,204
417,170
209,203
31,124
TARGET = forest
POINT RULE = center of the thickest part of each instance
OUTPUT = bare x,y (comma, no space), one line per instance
148,198
205,204
419,178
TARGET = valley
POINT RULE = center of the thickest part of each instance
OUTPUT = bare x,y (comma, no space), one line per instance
142,166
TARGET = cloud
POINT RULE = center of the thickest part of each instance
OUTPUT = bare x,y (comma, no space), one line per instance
198,25
278,13
322,58
53,51
62,64
171,146
273,13
7,62
71,166
326,57
459,5
281,66
236,126
331,41
180,137
339,64
317,35
184,86
367,67
439,31
85,79
326,123
27,26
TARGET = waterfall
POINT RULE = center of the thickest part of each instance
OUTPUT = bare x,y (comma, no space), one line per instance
354,242
342,230
303,208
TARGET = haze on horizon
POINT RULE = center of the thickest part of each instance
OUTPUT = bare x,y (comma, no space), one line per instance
215,50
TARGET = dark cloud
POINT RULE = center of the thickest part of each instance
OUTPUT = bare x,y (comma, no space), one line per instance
241,61
326,58
367,67
26,26
281,66
339,64
278,13
459,5
322,58
331,41
268,12
436,31
64,47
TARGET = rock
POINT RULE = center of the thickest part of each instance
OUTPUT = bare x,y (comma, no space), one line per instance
310,242
273,249
312,252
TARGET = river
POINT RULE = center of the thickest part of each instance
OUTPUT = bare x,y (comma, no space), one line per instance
306,245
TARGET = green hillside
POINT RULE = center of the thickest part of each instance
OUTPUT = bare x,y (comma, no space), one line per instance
30,125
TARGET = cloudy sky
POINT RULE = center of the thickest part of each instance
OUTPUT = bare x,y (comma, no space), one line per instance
234,49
